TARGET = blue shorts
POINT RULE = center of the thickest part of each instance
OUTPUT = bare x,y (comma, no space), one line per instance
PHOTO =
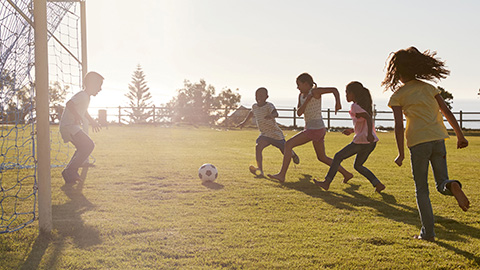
280,144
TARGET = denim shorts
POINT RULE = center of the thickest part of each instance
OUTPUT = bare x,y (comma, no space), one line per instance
280,144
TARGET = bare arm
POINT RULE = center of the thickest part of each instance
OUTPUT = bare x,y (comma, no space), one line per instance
249,115
301,108
317,92
95,126
461,141
399,134
367,117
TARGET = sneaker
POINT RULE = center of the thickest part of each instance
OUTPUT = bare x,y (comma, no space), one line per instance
255,171
295,159
252,169
419,237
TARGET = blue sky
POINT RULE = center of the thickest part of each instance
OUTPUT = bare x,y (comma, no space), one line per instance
248,44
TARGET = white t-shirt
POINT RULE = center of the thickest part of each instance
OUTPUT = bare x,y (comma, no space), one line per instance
313,112
68,125
268,127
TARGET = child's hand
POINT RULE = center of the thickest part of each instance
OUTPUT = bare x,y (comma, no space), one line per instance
348,131
96,126
399,160
462,143
370,138
338,107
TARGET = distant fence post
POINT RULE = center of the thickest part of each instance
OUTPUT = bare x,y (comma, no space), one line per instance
102,118
119,115
226,116
294,117
328,118
154,114
461,119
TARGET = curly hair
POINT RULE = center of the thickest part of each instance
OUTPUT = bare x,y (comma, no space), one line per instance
362,96
412,63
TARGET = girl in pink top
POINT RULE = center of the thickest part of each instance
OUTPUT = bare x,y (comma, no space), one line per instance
364,141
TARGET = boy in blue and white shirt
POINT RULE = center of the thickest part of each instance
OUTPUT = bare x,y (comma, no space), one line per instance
270,133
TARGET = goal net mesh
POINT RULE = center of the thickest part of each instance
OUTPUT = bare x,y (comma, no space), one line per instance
18,181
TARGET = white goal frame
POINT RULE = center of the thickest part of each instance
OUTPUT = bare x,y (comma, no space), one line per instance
45,222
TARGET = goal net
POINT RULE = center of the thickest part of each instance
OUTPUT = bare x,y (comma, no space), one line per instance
18,159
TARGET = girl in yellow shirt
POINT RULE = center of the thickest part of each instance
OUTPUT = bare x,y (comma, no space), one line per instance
425,132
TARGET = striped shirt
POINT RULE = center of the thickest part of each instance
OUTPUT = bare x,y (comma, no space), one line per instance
268,127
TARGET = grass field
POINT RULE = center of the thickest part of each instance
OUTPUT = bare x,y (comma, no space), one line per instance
143,207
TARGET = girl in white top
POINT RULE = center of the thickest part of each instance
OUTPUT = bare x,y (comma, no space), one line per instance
365,138
310,104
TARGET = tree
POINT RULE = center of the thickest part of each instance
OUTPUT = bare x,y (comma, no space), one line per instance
56,98
228,101
194,103
447,96
139,98
17,104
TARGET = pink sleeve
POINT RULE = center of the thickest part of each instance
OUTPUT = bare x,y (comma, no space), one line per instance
357,109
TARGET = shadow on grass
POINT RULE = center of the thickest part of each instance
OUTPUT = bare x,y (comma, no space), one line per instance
388,207
68,226
212,185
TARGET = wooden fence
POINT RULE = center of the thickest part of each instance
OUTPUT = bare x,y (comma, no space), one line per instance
287,117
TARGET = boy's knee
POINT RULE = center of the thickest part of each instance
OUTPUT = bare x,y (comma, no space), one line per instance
90,146
260,146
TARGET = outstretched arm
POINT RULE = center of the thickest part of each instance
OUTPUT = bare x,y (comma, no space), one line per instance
367,117
399,134
461,141
317,92
249,115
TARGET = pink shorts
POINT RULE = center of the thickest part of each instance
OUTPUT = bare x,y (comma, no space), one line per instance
316,135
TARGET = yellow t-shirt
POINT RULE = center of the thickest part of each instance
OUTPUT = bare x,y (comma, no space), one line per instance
424,119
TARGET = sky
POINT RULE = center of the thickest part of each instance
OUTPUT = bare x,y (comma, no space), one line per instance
247,44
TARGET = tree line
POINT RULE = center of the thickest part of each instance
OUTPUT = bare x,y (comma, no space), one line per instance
195,103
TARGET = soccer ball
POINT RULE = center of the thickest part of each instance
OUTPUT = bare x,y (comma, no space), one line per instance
207,172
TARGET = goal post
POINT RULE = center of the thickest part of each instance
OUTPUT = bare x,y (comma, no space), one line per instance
41,44
42,111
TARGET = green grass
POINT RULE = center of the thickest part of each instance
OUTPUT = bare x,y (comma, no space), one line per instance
143,207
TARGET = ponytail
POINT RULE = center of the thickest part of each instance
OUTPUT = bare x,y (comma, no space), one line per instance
362,96
305,77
